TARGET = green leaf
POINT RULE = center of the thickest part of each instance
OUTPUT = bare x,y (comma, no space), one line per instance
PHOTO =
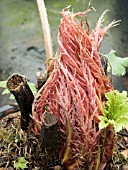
21,159
118,64
121,123
115,111
11,96
3,84
32,87
46,107
21,163
6,91
103,122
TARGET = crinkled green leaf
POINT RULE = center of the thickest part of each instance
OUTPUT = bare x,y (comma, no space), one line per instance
118,64
121,123
3,84
115,111
104,122
116,104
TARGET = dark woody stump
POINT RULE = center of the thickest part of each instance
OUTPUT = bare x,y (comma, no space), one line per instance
41,79
50,135
17,85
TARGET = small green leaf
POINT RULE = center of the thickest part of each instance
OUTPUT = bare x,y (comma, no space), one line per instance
22,160
11,96
6,91
3,84
118,64
21,163
46,107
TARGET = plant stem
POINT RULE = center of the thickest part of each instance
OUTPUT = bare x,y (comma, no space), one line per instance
46,31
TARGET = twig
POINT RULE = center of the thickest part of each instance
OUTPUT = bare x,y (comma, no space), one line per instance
123,134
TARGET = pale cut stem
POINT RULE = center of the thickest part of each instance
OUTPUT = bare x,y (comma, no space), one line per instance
46,31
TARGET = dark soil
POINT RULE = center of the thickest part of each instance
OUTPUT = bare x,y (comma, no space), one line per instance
15,143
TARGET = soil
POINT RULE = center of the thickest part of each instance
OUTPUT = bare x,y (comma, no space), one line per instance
15,143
